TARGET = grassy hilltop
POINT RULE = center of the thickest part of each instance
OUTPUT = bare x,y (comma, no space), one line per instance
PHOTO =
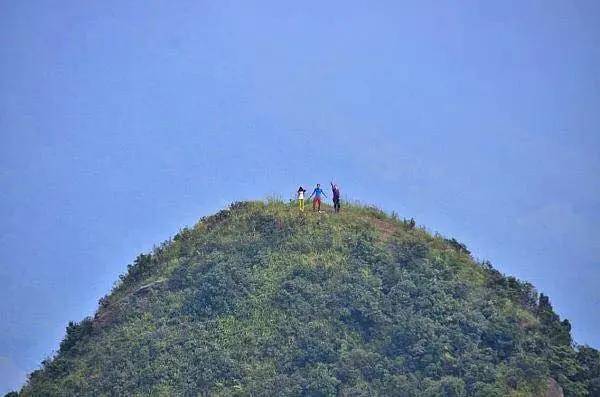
263,300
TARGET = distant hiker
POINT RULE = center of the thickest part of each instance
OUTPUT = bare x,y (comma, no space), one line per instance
301,198
317,200
336,197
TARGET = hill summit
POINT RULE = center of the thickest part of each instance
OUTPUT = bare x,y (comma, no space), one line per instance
264,300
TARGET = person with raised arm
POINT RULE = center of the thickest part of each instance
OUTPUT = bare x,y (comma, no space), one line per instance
336,197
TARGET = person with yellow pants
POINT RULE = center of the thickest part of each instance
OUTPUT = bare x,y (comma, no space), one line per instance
301,198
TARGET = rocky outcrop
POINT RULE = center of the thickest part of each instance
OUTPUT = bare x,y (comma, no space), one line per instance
554,389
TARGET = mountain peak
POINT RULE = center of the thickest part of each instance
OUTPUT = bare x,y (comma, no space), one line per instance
263,299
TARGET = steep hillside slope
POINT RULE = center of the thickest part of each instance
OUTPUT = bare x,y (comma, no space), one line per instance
263,300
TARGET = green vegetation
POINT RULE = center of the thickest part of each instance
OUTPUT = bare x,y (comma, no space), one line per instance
263,300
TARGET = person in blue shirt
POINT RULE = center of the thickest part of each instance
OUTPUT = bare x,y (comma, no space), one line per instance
318,192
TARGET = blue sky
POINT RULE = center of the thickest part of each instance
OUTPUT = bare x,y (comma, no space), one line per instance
121,122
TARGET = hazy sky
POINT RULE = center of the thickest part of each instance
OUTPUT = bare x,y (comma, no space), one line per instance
121,122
